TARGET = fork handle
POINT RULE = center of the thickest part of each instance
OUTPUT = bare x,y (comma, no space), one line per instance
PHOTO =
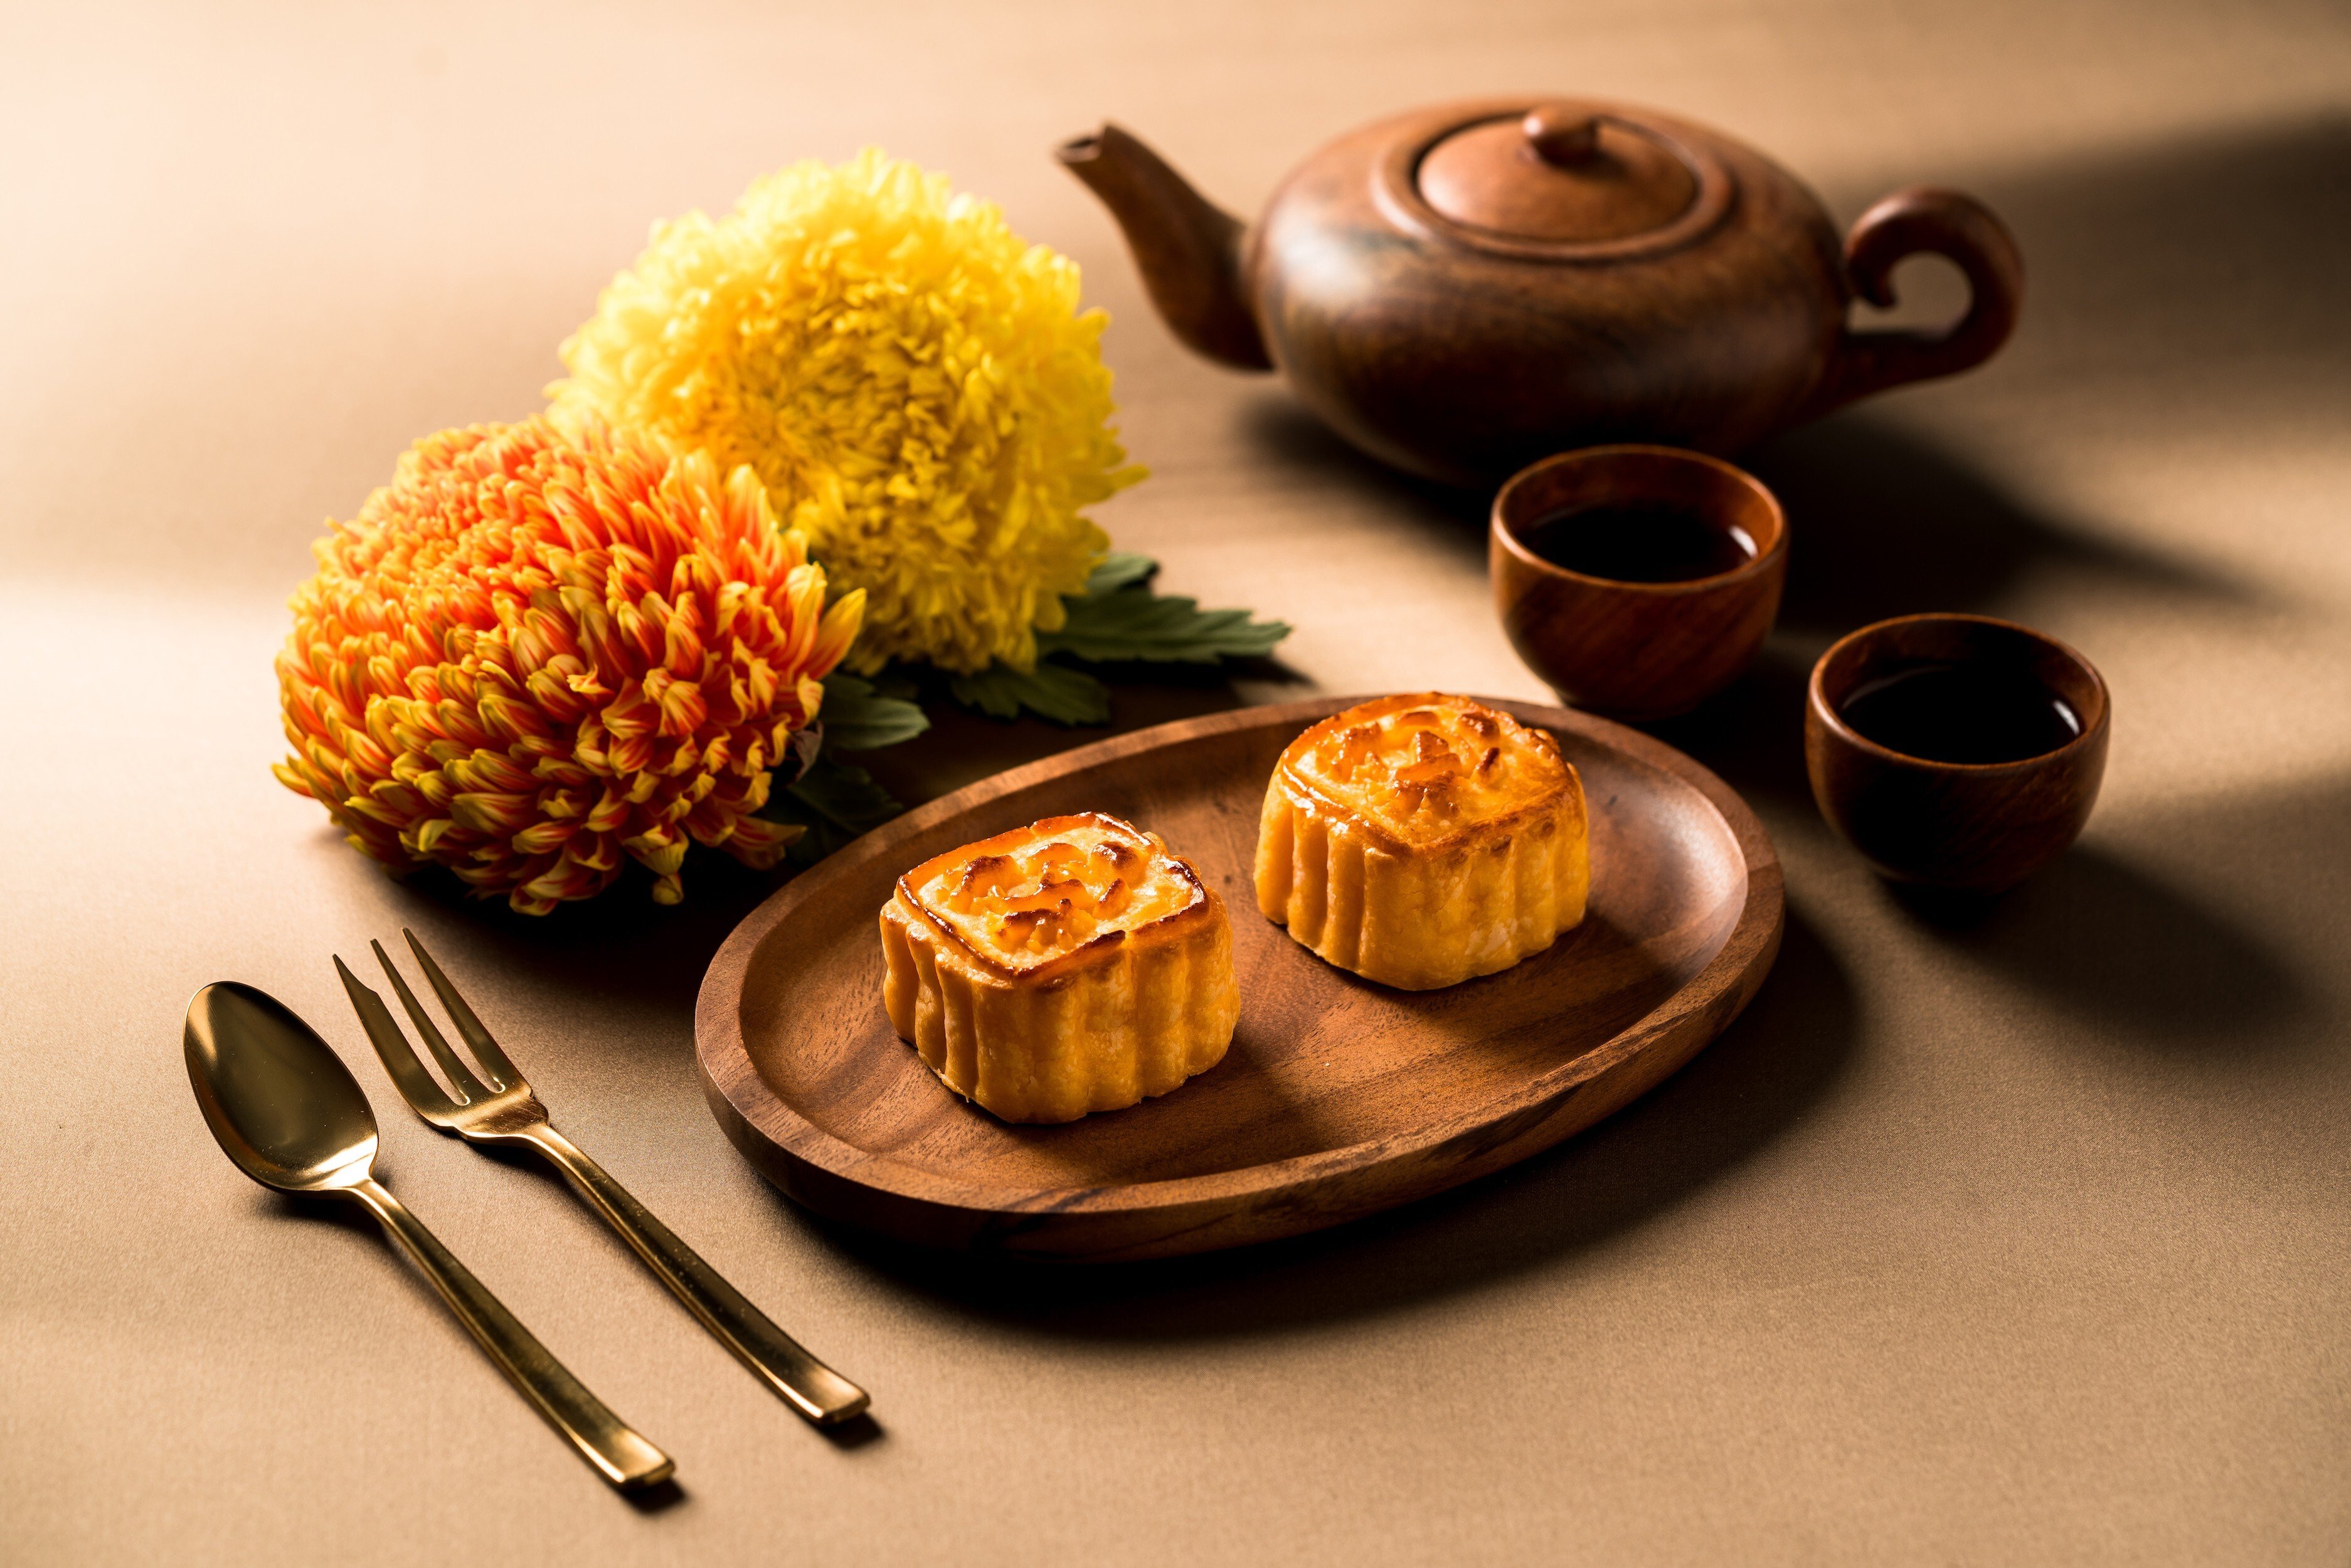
603,1440
808,1385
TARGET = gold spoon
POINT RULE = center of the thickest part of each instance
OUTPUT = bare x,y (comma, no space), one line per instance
291,1116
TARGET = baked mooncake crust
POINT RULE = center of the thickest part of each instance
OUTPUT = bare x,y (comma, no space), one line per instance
1072,966
1422,841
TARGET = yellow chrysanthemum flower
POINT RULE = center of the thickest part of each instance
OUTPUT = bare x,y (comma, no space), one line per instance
916,386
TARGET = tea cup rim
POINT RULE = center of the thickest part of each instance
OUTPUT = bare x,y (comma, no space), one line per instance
1818,703
1755,565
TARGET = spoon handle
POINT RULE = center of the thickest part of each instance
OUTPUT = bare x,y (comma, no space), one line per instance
808,1385
617,1453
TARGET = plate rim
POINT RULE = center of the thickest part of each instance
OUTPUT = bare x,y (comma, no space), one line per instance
730,1076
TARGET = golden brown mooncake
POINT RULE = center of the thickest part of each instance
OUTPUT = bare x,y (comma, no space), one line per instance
1420,841
1072,966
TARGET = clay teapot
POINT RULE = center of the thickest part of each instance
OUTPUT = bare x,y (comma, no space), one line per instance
1462,289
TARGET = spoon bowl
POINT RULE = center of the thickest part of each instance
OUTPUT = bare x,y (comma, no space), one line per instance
281,1104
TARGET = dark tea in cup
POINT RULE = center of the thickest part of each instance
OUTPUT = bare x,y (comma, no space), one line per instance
1640,541
1969,713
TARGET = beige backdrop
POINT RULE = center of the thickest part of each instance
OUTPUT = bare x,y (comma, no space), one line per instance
2020,1239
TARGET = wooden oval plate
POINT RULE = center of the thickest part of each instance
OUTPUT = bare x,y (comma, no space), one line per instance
1338,1097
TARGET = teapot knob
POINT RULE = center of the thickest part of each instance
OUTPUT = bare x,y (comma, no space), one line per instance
1561,133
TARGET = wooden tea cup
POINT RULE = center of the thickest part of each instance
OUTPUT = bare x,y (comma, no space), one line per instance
1636,650
1978,826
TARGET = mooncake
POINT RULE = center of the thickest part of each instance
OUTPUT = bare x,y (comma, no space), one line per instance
1420,841
1072,966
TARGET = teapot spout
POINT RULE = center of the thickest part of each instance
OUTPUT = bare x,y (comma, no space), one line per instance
1189,249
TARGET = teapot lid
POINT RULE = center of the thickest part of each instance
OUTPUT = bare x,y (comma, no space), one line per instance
1564,180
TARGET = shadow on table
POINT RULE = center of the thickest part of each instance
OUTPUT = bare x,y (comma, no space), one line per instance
2199,276
619,950
1296,446
1766,1073
1882,521
2107,938
1752,734
2119,941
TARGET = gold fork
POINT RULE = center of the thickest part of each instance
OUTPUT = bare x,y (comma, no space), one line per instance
503,1110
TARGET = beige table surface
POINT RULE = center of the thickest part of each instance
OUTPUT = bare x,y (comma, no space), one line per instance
2013,1240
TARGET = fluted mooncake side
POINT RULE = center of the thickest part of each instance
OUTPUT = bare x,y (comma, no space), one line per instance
1424,839
1073,965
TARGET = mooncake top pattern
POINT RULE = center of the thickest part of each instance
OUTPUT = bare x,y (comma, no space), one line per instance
1425,768
1037,894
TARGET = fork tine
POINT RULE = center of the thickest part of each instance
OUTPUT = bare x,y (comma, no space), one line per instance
469,1088
484,1047
408,1074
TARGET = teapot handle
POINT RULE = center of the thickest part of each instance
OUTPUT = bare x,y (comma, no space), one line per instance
1923,219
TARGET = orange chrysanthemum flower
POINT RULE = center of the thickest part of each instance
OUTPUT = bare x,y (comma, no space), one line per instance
534,651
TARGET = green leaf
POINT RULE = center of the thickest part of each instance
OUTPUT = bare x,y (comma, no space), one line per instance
859,717
1052,691
1121,568
1117,619
835,801
1135,623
